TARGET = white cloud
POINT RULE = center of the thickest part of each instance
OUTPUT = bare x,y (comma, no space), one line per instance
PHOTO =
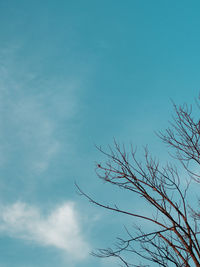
60,228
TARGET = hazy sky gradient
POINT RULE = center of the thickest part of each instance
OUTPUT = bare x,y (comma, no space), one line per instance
74,74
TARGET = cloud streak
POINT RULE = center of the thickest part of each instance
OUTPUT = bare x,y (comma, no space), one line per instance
33,114
60,228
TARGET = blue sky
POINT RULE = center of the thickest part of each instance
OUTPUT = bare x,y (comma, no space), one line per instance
74,74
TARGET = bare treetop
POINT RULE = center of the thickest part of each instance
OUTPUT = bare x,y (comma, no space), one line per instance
174,240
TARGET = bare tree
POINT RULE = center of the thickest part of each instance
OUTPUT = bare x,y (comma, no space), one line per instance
174,238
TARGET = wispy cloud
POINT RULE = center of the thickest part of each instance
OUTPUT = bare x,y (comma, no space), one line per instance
32,111
35,132
60,228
